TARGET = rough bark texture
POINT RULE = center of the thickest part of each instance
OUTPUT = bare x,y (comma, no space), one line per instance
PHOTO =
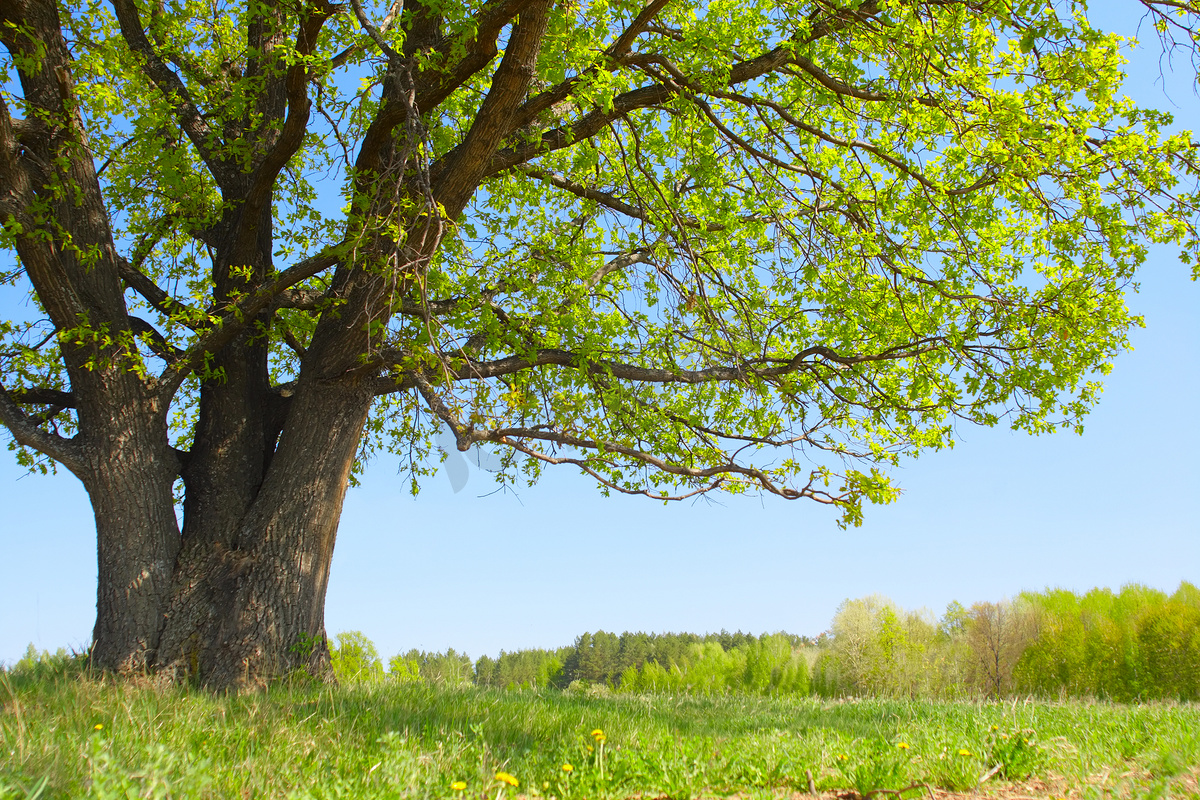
129,485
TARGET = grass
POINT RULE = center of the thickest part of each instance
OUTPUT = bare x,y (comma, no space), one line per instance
67,734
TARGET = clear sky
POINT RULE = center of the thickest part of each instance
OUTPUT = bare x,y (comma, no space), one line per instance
1000,513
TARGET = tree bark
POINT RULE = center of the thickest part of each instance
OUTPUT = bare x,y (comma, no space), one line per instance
268,591
130,486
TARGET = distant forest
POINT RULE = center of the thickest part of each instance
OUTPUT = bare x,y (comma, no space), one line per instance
1135,644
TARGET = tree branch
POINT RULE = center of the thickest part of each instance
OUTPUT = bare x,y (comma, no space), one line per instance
42,396
67,452
202,137
262,181
644,97
457,174
234,319
158,299
155,340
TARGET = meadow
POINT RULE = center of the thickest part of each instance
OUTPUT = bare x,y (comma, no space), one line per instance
65,733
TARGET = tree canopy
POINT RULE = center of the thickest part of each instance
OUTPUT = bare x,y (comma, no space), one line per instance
681,247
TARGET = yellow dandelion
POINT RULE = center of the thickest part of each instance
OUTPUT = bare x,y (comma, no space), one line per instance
504,777
567,768
598,734
458,786
98,726
903,745
995,727
589,748
964,752
843,757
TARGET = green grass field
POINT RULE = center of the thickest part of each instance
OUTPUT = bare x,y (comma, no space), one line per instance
69,735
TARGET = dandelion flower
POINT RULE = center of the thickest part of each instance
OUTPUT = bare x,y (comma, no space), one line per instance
597,734
843,757
964,752
590,748
567,768
458,786
903,745
504,777
995,727
99,726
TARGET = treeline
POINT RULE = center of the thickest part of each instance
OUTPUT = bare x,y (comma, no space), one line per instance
1136,644
717,662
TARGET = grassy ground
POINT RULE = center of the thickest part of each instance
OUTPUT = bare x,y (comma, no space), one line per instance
69,735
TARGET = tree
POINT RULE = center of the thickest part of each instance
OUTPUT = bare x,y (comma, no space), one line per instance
997,636
354,658
682,248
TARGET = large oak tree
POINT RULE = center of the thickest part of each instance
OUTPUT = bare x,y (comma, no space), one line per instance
741,246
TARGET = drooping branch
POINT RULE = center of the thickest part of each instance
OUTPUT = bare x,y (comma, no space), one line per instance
511,437
26,431
817,355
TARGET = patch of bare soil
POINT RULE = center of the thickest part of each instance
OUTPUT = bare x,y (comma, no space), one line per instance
1131,784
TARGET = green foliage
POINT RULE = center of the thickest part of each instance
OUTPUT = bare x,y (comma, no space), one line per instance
1134,644
688,663
533,669
354,658
831,235
442,669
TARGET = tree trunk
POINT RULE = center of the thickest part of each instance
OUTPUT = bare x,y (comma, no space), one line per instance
261,610
130,485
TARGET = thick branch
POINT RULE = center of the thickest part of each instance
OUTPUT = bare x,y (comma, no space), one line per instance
299,105
459,171
235,318
434,88
753,368
23,428
647,96
466,369
202,137
42,396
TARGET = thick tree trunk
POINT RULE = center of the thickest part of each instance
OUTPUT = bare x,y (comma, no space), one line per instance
260,610
129,480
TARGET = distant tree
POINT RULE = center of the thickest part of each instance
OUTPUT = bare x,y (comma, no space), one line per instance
404,668
997,635
355,659
856,646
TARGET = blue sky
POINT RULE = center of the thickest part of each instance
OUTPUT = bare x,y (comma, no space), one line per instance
1000,513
